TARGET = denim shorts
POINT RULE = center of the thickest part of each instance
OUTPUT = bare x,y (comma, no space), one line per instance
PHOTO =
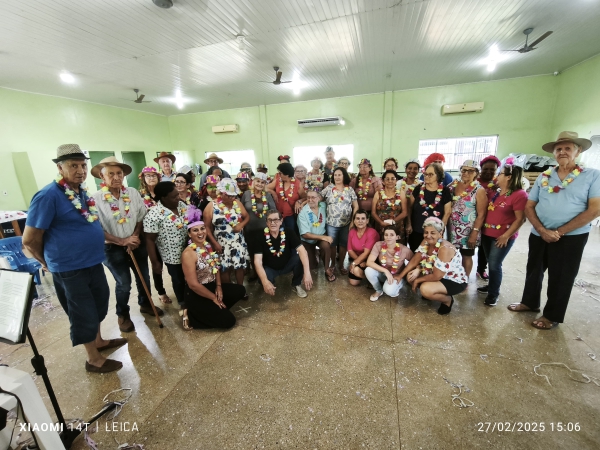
339,235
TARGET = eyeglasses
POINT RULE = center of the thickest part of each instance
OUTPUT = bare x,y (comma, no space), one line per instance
301,171
273,220
468,171
429,174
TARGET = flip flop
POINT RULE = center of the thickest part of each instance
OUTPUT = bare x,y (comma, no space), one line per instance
543,324
330,276
512,307
113,343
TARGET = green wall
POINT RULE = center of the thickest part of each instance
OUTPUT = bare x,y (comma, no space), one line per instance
11,196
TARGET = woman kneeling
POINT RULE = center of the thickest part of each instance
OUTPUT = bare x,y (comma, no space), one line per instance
207,300
386,260
436,267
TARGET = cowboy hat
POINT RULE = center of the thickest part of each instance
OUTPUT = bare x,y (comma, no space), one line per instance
110,161
213,156
568,136
165,155
69,151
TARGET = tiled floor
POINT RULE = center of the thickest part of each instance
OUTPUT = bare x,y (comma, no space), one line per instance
335,371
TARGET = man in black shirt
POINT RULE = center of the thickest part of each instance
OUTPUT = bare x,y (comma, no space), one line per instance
278,251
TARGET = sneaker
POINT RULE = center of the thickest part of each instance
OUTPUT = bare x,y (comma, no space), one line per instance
482,289
376,296
491,300
483,275
301,292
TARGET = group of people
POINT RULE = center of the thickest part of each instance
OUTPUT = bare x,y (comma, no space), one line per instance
421,229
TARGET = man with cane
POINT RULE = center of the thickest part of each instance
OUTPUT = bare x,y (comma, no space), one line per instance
121,212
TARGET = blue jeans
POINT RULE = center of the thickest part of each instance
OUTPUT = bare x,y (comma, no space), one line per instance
178,282
495,256
119,263
380,284
83,294
294,264
339,235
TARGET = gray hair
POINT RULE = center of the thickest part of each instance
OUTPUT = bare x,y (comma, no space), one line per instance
434,222
273,211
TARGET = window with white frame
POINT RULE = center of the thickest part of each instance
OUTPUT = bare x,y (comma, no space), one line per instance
457,150
304,155
232,160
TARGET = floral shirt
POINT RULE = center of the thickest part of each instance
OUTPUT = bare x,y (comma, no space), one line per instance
462,219
172,234
339,205
315,182
453,270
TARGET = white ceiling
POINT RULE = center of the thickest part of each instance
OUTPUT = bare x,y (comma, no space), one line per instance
336,47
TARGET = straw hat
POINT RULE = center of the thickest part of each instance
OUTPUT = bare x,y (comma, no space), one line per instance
110,161
213,156
69,151
165,155
568,136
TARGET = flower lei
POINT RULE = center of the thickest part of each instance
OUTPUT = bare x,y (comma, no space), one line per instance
313,220
114,203
148,202
177,219
265,205
410,187
391,202
208,254
340,198
188,197
396,260
428,260
270,244
282,191
363,193
91,213
466,192
491,206
497,227
424,205
555,189
233,221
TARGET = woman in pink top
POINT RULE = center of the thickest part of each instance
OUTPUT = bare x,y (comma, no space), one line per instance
505,215
361,240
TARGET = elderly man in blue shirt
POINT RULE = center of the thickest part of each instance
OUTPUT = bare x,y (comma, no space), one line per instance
562,203
63,233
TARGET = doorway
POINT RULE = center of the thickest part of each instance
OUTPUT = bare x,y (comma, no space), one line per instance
137,161
95,158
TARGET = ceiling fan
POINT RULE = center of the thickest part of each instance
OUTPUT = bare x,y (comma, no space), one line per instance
277,77
139,98
529,47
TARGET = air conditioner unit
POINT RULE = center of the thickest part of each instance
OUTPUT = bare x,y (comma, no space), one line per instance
461,108
321,122
226,128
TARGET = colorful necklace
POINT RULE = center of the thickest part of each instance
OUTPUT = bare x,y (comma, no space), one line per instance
188,196
410,187
229,218
265,205
428,260
208,255
148,202
313,220
363,192
568,180
396,260
91,213
491,205
270,244
340,197
424,205
389,201
177,220
466,192
114,203
282,191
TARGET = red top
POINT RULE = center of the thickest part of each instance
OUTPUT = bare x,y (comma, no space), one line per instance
358,245
286,208
503,214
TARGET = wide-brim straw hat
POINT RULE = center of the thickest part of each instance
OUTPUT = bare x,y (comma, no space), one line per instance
165,155
69,151
110,161
568,136
213,156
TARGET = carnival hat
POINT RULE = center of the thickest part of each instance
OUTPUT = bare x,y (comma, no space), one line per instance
490,158
228,186
364,161
245,165
262,166
282,157
212,179
149,169
165,155
412,161
343,158
261,176
110,161
186,169
69,151
243,176
213,156
470,163
568,136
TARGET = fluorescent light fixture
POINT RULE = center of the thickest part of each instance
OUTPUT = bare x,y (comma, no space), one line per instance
179,99
494,58
66,77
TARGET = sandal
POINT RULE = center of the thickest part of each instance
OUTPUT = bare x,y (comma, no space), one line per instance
165,299
521,307
344,271
186,321
330,276
543,324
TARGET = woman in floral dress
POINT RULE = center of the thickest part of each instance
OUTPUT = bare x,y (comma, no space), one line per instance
317,180
390,207
366,184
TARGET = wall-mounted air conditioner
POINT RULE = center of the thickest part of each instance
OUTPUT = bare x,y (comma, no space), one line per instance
226,129
461,108
321,122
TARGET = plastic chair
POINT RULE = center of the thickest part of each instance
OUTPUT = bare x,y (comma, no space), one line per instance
12,249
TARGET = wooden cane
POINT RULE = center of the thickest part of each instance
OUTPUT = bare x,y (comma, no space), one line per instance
146,289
